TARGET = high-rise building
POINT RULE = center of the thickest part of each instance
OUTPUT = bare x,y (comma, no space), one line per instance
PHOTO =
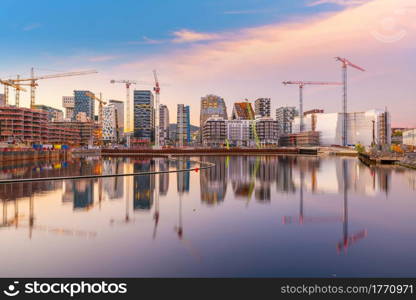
183,127
212,105
163,124
120,115
262,107
83,103
284,118
242,111
68,102
144,116
214,132
109,123
2,100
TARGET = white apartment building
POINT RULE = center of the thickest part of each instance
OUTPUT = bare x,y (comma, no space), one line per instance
68,102
109,123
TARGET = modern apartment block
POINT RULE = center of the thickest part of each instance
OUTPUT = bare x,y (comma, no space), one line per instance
242,111
163,125
284,118
239,132
183,129
214,132
267,131
262,107
119,105
144,116
68,102
212,105
110,133
83,103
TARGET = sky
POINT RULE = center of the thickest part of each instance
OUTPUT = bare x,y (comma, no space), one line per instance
236,49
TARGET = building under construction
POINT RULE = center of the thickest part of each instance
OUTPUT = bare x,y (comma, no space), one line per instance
31,126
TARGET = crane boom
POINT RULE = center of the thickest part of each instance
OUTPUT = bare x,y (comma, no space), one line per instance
128,83
301,84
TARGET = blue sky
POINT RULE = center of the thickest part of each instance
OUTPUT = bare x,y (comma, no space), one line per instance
35,31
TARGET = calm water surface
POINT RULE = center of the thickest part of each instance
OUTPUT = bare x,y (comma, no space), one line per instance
282,216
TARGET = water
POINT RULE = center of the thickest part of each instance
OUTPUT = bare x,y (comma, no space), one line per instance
282,216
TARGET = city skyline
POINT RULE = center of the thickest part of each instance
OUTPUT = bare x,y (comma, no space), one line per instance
246,54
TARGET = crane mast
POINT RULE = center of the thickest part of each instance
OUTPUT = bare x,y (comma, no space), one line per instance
301,84
128,83
156,89
345,64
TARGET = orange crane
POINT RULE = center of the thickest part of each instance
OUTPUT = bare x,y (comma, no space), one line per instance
100,105
128,83
345,64
8,84
33,81
301,84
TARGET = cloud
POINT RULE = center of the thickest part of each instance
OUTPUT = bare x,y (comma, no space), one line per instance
32,27
338,2
188,36
146,41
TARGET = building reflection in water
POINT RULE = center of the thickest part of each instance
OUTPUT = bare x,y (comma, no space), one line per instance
213,181
144,185
164,177
182,178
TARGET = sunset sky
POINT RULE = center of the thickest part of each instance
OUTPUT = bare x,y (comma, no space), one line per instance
236,49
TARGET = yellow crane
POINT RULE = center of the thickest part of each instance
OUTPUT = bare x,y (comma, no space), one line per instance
32,81
8,84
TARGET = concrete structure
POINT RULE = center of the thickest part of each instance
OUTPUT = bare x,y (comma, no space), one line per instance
363,127
242,111
409,137
144,115
24,125
83,103
54,114
88,132
284,118
163,125
110,134
212,105
267,131
183,125
239,132
214,132
2,100
119,105
68,102
262,107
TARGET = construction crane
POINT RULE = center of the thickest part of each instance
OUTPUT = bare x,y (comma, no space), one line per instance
100,105
8,84
33,81
345,64
128,83
301,84
156,89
